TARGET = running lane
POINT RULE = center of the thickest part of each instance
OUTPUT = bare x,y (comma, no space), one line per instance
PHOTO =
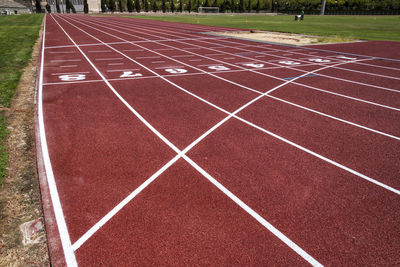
104,152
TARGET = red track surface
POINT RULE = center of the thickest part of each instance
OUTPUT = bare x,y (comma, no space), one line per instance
160,144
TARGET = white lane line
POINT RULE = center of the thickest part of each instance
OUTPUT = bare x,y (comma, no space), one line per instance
182,56
68,66
157,62
65,60
133,50
99,51
55,199
215,54
147,57
65,73
162,49
109,58
273,230
115,64
61,52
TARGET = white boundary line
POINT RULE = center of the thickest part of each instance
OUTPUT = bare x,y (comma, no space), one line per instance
55,199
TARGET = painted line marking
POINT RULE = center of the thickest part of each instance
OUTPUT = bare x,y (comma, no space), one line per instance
161,49
61,52
110,58
68,66
158,62
100,51
289,78
133,50
147,57
66,73
183,56
65,60
209,55
115,64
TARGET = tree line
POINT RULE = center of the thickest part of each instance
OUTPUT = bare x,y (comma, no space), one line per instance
241,6
238,6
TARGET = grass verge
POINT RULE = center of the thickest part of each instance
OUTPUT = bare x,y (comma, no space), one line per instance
17,37
345,27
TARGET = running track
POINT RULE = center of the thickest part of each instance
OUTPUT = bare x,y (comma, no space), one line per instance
161,145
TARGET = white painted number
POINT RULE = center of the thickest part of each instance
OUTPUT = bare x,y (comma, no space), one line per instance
349,58
72,77
218,68
176,70
130,74
319,60
254,65
289,62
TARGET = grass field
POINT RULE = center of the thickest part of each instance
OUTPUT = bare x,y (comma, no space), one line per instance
348,27
17,37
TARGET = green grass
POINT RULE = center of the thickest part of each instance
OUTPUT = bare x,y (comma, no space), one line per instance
17,37
347,27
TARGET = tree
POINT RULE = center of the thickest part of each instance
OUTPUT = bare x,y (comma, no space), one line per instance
249,6
206,4
146,6
137,6
48,8
129,5
180,6
215,3
112,6
58,7
163,6
233,7
38,6
189,6
154,6
172,6
258,7
241,6
103,5
85,7
198,5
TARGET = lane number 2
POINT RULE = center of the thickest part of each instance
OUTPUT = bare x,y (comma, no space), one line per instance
72,77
